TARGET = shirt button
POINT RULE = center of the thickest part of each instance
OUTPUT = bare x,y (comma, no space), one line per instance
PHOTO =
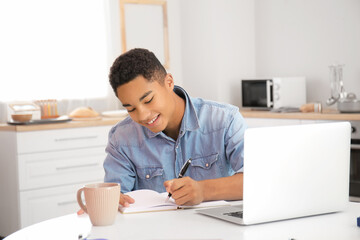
147,176
206,165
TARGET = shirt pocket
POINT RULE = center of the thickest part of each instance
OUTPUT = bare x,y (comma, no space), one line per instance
151,178
207,167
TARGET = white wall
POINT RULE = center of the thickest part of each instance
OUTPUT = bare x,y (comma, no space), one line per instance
223,41
213,44
217,47
174,22
300,37
173,13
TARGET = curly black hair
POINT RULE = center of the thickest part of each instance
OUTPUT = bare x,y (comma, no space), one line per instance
133,63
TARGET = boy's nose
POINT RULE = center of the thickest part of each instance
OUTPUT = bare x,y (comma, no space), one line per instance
144,114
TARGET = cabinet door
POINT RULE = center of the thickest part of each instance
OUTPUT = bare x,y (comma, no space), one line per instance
40,205
62,139
39,170
268,122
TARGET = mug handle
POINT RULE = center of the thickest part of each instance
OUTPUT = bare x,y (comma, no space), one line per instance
79,200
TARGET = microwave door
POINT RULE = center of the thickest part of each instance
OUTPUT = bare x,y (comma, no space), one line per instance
255,94
269,94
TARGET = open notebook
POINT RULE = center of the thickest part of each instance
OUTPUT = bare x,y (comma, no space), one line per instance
150,201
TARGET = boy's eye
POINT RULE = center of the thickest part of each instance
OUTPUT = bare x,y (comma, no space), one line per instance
131,110
149,100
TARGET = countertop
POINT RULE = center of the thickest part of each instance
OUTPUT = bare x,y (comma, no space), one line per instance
327,114
71,124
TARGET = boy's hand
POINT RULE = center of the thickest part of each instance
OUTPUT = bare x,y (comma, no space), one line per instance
125,200
185,191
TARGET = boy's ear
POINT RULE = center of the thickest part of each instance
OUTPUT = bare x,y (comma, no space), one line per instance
169,81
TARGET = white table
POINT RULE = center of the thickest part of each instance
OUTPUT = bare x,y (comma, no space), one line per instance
187,224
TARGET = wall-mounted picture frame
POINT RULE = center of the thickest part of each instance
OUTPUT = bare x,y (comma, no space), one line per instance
144,24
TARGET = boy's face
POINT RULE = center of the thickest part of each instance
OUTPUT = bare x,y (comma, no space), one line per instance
150,104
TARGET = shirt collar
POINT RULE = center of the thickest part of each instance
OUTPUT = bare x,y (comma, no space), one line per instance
190,121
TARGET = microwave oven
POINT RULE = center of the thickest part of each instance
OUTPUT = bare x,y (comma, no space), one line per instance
273,93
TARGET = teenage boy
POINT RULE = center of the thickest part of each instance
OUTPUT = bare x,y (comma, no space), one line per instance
165,128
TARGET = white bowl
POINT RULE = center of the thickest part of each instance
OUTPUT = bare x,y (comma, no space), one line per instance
115,114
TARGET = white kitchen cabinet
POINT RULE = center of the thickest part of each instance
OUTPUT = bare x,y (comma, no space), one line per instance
268,122
38,205
304,121
40,172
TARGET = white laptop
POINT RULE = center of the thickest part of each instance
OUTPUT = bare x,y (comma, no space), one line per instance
290,172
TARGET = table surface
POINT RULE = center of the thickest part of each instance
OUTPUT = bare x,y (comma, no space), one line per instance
187,224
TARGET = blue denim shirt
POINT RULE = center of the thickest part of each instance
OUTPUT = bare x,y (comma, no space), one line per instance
211,134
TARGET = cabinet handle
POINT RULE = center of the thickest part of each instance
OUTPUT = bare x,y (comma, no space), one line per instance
74,138
66,203
77,166
355,146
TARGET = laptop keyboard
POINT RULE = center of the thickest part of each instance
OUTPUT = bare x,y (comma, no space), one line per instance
238,214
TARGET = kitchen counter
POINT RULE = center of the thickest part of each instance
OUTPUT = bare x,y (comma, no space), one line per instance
327,114
71,124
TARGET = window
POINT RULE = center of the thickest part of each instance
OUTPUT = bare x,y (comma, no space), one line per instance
53,49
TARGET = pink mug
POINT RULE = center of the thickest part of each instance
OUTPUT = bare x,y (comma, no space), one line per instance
102,202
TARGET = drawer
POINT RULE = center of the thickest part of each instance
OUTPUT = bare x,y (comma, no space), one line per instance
39,170
60,139
40,205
